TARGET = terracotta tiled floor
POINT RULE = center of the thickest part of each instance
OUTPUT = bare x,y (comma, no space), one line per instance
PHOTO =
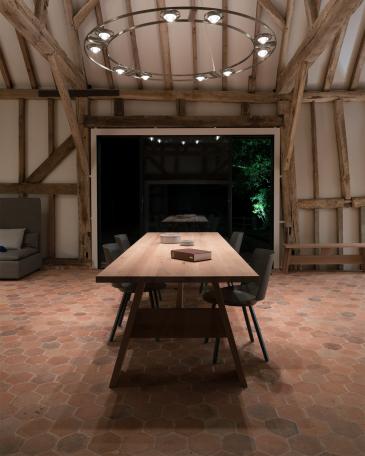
55,367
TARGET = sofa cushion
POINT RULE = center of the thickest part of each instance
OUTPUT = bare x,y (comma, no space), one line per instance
12,238
31,240
17,254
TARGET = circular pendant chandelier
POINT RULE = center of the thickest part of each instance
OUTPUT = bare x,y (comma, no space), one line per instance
103,36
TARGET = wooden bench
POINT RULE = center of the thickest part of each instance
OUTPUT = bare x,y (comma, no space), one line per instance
326,254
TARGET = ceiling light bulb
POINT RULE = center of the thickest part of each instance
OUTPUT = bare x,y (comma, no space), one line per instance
120,70
217,138
170,15
159,140
262,53
213,17
200,77
183,143
146,76
263,38
227,72
95,49
197,141
152,138
105,34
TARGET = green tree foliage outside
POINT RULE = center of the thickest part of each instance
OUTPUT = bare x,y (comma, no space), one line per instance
252,168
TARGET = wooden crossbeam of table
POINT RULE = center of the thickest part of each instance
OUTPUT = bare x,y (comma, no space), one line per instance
149,261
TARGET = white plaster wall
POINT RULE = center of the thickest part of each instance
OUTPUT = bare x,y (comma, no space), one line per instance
37,151
66,205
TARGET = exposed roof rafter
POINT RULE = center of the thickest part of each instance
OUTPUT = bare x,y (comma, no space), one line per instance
26,23
28,62
4,70
83,12
135,53
273,11
165,49
334,58
358,66
329,22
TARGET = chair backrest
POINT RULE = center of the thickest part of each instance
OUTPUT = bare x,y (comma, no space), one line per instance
262,262
236,240
123,241
111,252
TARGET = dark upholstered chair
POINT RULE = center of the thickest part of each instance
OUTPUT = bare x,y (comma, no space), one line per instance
236,240
21,213
123,241
247,295
111,252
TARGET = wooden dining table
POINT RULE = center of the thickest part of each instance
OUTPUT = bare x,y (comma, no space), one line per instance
148,261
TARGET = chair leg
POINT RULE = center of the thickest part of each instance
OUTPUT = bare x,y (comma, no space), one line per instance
152,299
119,316
206,340
259,335
216,350
248,324
126,298
157,298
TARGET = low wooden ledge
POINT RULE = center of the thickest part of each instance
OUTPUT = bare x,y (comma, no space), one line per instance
325,254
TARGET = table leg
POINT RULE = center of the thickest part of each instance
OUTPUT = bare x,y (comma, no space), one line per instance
180,295
286,261
229,334
127,333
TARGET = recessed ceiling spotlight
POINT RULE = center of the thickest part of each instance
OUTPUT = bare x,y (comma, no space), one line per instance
119,69
170,15
94,48
228,72
263,52
145,76
201,77
105,34
213,16
263,38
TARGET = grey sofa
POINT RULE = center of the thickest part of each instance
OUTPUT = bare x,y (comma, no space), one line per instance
21,213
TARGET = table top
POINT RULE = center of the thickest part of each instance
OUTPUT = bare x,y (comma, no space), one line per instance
185,219
149,260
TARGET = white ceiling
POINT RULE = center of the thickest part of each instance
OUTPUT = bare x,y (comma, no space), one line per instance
209,45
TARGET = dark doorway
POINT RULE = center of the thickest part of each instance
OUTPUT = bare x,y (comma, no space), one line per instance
228,179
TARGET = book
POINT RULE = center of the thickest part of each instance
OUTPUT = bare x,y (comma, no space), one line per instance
191,255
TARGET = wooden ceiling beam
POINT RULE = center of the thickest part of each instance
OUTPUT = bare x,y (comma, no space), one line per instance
182,121
73,38
273,11
135,52
358,66
224,45
40,10
194,43
229,96
53,160
36,34
312,10
28,62
252,77
334,58
100,20
293,115
4,70
70,114
328,23
285,37
83,12
165,48
343,156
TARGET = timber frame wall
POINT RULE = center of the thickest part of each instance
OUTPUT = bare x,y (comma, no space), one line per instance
326,28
